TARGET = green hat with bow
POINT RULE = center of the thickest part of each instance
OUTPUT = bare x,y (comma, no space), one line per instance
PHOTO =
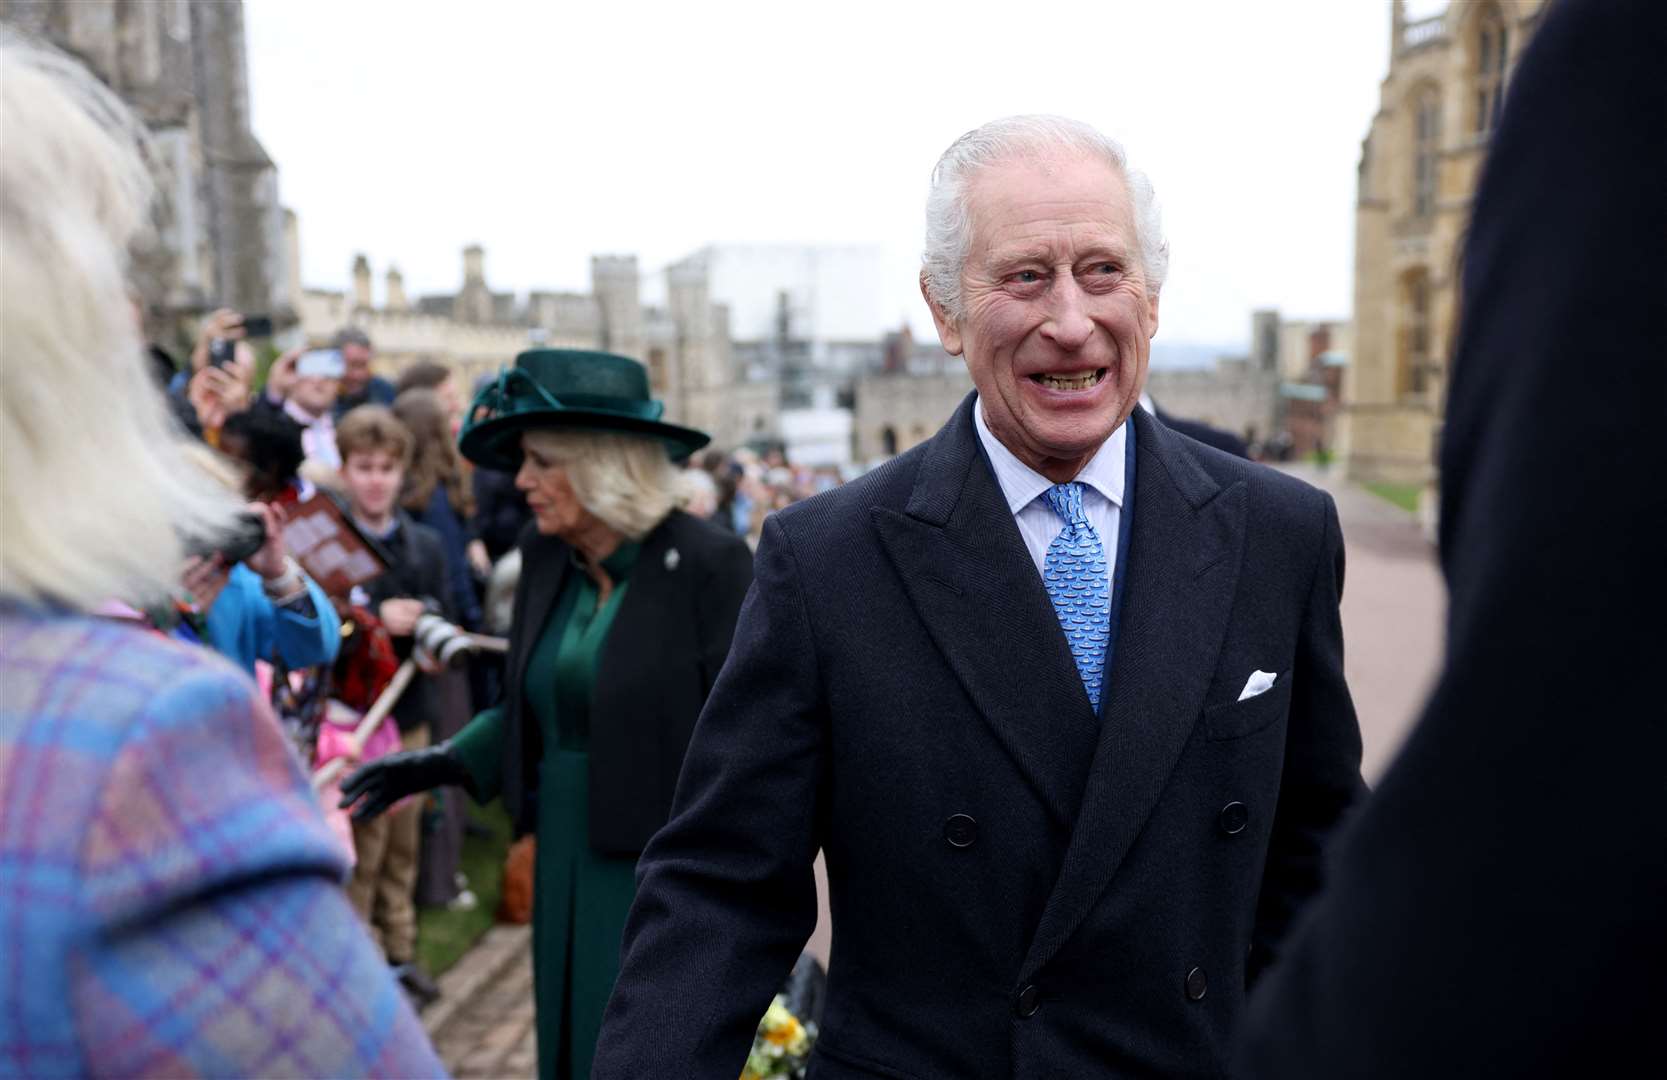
572,389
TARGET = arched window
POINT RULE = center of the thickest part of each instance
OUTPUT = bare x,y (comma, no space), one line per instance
888,441
1490,67
1426,141
1415,333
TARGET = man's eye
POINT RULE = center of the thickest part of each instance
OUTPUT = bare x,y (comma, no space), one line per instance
1106,268
1027,277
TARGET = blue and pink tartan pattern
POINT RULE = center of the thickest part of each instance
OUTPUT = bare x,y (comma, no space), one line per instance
170,900
1078,581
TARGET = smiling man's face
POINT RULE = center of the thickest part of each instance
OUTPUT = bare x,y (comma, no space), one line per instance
1056,318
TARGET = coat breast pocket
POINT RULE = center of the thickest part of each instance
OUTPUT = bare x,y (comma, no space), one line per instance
1236,719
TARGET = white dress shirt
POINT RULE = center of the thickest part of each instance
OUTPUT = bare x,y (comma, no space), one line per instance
1102,492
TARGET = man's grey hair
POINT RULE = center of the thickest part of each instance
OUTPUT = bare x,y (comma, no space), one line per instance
949,224
350,335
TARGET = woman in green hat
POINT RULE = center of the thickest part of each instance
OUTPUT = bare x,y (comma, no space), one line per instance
623,617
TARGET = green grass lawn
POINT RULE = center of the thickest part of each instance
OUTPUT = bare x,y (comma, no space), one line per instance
1403,495
444,936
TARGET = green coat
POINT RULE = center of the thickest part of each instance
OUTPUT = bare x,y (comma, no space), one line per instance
580,897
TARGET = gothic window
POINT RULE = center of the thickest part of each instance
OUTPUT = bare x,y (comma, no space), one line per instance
1490,68
1415,331
1426,142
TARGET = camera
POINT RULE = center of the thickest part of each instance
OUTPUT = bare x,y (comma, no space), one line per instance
247,536
221,351
445,642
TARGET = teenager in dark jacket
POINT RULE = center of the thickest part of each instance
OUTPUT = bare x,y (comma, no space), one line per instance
376,449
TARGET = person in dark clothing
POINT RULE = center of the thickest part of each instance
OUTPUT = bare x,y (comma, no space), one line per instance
501,511
1225,441
1069,812
428,375
268,442
435,493
436,496
1496,909
623,618
375,449
358,385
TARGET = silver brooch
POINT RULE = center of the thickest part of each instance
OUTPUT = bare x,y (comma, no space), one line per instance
672,559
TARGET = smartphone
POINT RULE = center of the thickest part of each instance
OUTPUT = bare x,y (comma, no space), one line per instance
257,326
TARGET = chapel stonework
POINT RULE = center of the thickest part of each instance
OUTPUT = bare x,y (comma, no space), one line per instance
1419,164
219,233
685,344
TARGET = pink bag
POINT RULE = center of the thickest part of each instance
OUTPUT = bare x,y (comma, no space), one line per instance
335,735
335,739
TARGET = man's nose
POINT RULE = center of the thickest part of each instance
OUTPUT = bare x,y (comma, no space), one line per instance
1068,324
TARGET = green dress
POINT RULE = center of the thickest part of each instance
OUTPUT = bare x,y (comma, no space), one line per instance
580,897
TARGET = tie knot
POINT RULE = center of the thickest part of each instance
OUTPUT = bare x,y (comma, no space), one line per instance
1066,500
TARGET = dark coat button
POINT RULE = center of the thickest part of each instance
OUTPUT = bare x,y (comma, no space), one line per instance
1197,984
1234,817
1030,999
960,830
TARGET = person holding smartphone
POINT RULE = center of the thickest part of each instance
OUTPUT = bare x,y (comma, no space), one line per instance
222,373
260,604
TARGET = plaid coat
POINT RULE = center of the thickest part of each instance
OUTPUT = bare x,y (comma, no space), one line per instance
170,898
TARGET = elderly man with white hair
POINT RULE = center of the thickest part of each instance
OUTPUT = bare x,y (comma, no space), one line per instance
1059,693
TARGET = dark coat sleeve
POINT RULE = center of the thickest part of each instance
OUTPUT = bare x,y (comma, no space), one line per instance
726,896
1496,909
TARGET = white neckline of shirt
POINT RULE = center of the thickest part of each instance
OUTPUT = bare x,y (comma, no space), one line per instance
1021,484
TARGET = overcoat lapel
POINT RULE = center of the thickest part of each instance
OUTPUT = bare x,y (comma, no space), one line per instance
633,623
965,568
545,564
1184,558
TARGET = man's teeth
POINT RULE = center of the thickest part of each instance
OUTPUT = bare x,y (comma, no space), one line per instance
1070,382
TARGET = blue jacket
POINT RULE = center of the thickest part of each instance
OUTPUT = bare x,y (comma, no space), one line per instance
244,626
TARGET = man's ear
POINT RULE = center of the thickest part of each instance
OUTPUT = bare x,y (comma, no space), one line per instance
1151,316
949,332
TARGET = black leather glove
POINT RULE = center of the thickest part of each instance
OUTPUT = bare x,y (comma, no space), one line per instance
385,781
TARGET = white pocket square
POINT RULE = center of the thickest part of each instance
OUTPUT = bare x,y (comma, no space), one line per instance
1260,682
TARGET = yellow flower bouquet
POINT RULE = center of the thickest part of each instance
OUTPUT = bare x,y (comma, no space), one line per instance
782,1046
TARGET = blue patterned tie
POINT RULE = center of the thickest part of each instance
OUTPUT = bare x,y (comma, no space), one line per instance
1079,585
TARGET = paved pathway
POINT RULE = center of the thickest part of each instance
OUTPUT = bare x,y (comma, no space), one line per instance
482,1026
1393,608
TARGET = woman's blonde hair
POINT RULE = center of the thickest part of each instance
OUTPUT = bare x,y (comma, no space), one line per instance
96,496
628,481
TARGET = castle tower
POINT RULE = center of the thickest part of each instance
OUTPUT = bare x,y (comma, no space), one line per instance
361,283
474,302
396,298
617,286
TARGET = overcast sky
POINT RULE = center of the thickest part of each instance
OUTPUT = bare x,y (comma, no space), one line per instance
551,131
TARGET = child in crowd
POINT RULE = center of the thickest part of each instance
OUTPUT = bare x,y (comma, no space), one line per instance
375,452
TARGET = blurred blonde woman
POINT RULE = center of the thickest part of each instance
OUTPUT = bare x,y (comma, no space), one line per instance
623,617
170,894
